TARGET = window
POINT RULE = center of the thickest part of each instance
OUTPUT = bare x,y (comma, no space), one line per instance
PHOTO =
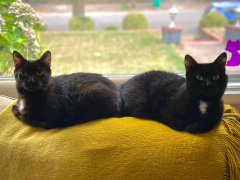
116,38
111,42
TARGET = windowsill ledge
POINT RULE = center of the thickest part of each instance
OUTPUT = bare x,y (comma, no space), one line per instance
231,96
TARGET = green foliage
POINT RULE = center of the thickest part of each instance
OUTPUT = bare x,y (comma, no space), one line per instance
111,28
213,20
135,21
81,23
88,1
43,27
126,6
19,31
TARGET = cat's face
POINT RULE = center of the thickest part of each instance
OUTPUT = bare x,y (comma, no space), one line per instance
207,81
32,76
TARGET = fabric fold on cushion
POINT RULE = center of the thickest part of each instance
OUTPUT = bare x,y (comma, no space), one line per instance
5,101
119,148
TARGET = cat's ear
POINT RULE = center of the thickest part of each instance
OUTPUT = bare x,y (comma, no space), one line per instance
221,59
189,62
18,59
46,58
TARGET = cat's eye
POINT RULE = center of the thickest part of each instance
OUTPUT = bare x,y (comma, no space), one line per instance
23,73
39,73
200,78
215,77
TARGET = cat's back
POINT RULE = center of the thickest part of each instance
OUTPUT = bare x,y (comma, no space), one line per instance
82,79
82,85
142,92
163,76
145,80
86,96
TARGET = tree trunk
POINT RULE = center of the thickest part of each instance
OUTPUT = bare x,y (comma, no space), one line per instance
78,8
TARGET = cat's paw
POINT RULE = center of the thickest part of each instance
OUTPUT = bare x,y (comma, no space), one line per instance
16,112
192,126
196,128
178,126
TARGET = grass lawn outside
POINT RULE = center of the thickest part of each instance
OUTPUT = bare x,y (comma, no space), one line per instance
109,52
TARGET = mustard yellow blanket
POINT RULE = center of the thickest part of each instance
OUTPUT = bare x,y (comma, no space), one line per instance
119,149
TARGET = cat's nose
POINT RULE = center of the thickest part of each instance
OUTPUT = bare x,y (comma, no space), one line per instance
208,82
31,80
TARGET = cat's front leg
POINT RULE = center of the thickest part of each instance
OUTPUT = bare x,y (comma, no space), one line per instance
177,124
198,127
19,111
16,112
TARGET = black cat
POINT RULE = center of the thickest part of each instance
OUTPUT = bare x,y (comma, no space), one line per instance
52,102
193,104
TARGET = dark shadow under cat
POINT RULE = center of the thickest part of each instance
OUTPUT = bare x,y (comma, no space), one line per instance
191,104
55,102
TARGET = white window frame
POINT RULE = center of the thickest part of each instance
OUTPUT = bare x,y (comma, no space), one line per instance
231,96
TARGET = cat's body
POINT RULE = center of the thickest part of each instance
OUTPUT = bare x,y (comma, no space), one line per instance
182,104
63,100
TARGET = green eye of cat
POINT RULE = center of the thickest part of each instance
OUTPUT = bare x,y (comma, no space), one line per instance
215,77
23,73
39,73
200,78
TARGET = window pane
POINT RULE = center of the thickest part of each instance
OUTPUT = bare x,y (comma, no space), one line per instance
118,37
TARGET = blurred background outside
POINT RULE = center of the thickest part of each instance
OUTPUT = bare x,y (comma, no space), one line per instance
117,36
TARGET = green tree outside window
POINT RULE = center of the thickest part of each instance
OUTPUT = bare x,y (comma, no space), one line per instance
19,31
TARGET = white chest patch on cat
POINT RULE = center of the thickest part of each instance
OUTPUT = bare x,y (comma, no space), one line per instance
203,107
21,105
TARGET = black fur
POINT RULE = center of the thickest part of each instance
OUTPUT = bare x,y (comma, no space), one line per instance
52,102
174,100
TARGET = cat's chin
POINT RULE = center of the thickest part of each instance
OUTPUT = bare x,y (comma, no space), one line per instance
32,90
208,98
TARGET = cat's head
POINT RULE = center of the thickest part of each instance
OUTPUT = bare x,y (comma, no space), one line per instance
32,75
207,81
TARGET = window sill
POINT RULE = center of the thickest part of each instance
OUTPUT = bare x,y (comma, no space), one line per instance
231,96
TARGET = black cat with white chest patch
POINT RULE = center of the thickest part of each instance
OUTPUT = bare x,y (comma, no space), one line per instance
53,102
191,104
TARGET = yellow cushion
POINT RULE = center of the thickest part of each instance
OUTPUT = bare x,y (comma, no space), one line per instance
118,148
5,101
